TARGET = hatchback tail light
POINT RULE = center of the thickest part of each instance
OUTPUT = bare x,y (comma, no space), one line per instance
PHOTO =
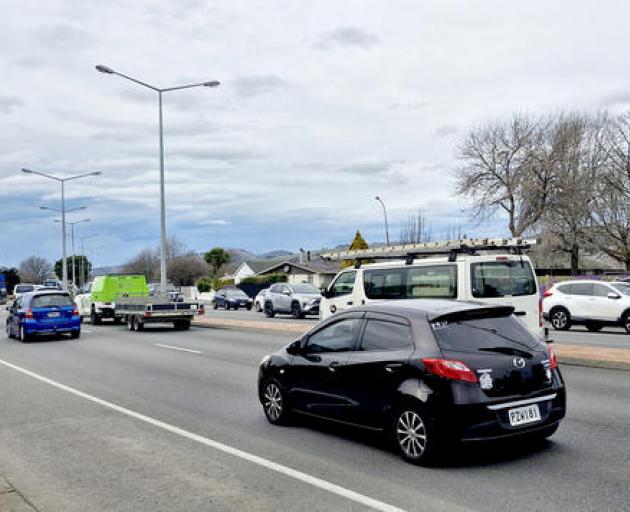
450,369
553,362
28,313
548,293
75,312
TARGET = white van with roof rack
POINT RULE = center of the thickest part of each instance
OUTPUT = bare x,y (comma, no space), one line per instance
494,271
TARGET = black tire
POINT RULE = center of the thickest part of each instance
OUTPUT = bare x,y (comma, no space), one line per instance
594,326
625,321
296,311
274,403
185,325
227,306
215,305
131,323
269,312
8,329
258,308
560,319
249,307
235,307
413,435
75,335
139,326
94,318
24,338
117,320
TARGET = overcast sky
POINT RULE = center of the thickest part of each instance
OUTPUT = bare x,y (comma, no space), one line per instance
323,105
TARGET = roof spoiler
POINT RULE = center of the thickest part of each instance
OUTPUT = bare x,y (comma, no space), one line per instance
473,314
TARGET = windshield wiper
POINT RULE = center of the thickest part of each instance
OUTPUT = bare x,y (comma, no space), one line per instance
507,350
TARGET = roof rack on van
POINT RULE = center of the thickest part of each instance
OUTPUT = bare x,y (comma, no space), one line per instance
409,252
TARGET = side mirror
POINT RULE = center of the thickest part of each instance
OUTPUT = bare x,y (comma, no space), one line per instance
326,293
286,292
294,348
614,296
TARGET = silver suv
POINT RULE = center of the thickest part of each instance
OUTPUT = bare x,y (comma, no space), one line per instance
296,299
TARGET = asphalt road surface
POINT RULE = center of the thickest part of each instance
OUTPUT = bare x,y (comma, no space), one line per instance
170,421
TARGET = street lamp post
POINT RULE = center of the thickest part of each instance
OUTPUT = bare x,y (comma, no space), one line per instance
63,211
74,280
160,91
82,263
385,215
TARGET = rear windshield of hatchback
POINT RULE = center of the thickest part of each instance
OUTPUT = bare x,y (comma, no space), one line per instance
49,300
487,334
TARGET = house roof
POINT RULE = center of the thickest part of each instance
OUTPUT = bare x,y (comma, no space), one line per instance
312,266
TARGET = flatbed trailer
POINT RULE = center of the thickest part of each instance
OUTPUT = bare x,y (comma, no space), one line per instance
138,311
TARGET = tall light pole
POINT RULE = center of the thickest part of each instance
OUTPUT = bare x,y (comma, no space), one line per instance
160,91
72,223
385,215
82,266
63,211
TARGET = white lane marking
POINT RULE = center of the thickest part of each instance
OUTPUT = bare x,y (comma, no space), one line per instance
255,459
171,347
85,330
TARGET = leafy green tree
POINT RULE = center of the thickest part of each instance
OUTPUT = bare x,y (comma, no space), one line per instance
216,258
357,244
82,269
11,276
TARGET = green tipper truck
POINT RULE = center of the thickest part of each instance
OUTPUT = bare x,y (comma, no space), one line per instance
97,300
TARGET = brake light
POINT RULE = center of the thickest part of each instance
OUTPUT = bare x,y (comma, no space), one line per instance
450,369
147,314
28,313
75,312
548,293
553,362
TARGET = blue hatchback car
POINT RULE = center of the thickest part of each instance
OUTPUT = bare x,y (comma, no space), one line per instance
43,312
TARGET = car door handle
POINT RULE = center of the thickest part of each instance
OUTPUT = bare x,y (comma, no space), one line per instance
393,367
333,366
350,303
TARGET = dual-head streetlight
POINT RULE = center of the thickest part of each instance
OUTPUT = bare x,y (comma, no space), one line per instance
63,211
160,91
377,198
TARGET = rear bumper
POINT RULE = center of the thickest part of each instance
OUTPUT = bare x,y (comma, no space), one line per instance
482,422
32,327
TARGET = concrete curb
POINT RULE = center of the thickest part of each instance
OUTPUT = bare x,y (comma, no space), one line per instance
578,355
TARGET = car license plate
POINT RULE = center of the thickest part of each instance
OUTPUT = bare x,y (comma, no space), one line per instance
53,314
524,415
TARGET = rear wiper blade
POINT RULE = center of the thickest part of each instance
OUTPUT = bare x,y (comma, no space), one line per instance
507,350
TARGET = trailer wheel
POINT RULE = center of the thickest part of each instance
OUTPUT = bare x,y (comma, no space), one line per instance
185,325
139,325
131,323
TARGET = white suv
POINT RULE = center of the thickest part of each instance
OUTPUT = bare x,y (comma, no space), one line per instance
590,303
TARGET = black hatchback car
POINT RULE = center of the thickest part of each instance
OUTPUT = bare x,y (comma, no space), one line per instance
426,372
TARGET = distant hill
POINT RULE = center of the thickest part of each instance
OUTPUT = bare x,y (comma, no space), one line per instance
275,254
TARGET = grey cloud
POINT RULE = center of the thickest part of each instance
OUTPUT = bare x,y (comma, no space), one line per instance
249,86
10,103
374,168
445,130
224,154
346,37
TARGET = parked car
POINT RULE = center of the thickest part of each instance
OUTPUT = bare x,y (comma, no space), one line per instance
499,278
173,293
231,298
593,304
259,300
43,312
52,284
296,299
426,373
98,298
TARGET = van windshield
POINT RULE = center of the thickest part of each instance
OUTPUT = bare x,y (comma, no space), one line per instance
502,279
426,282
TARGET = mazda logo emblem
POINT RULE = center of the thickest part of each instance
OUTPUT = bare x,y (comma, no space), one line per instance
519,362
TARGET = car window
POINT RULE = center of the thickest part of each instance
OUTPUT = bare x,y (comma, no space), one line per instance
565,288
381,335
338,337
285,289
304,288
435,281
624,288
601,290
502,279
53,299
343,285
21,288
275,288
483,334
582,289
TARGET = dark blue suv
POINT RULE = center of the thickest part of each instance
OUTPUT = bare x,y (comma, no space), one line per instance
45,312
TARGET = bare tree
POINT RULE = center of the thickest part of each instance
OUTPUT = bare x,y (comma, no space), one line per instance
185,270
616,140
416,228
505,166
145,262
35,269
174,248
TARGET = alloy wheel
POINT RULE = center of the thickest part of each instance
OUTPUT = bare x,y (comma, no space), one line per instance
559,319
411,434
273,402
